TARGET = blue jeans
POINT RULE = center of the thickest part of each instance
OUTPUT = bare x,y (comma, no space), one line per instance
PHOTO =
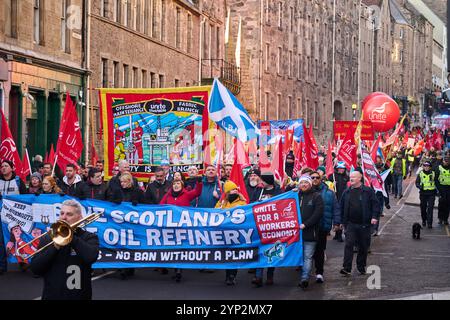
398,185
3,261
308,252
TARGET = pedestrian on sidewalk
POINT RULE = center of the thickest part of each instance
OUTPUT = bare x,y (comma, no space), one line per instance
359,210
443,186
425,182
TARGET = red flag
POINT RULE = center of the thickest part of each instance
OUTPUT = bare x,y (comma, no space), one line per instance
298,160
277,166
310,150
288,138
238,178
263,161
26,167
329,168
347,151
51,155
240,156
8,149
374,150
70,143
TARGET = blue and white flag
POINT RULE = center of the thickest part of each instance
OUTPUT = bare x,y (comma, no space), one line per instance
228,113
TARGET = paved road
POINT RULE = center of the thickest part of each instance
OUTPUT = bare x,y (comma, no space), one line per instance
407,266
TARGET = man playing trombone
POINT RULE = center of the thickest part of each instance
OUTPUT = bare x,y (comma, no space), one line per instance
67,268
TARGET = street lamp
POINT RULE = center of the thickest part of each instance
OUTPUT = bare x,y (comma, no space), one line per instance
354,107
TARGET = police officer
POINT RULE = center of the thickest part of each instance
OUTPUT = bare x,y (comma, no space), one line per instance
443,186
425,181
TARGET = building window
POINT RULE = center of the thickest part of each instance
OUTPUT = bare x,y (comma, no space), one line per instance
280,15
299,108
279,60
116,72
401,33
104,73
289,107
38,21
177,83
146,8
291,19
144,79
267,57
11,18
125,76
267,11
316,115
189,34
290,64
65,31
138,15
155,20
161,81
117,10
104,8
218,42
299,67
305,112
278,105
135,79
163,20
266,105
178,28
324,122
153,80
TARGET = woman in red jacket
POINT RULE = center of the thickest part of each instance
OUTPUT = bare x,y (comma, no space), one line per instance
179,196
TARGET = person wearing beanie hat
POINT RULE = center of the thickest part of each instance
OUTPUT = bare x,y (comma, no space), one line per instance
253,185
268,191
35,186
232,199
341,180
311,208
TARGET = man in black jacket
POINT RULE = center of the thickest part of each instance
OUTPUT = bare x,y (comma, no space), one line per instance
158,188
67,270
72,184
94,188
341,180
311,208
359,210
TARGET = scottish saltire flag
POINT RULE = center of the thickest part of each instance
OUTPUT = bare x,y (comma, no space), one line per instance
225,110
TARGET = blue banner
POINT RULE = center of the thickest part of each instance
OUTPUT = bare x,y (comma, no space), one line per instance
262,234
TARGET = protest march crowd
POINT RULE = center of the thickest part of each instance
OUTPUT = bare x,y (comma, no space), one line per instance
336,196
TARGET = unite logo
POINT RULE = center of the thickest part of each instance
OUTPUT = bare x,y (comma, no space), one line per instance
378,114
7,149
288,211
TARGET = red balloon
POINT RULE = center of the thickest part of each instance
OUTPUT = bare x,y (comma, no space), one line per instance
382,111
370,96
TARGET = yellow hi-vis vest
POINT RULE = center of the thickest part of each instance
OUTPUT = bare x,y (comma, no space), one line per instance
411,156
427,181
444,176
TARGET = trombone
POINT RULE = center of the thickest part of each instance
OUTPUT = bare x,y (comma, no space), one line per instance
61,233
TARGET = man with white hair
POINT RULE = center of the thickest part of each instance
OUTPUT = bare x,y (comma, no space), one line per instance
67,270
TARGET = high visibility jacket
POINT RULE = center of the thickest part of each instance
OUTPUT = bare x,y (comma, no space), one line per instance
444,176
411,155
427,181
403,166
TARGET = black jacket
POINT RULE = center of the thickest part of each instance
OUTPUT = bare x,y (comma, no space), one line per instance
133,195
311,208
370,206
114,185
75,189
341,184
253,192
156,191
92,191
56,266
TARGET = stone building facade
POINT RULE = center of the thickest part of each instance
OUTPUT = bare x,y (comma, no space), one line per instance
153,44
41,58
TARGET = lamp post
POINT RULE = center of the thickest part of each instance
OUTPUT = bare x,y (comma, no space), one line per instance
354,107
